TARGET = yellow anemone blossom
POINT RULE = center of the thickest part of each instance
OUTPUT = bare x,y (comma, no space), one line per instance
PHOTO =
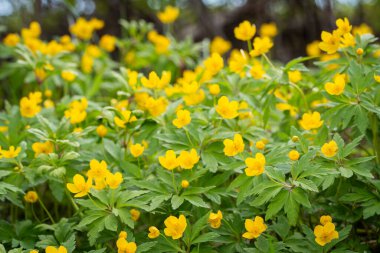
136,149
233,147
169,15
98,170
227,109
11,153
125,118
329,149
245,31
294,76
135,214
123,246
219,45
215,219
294,155
214,63
311,120
175,226
31,197
330,42
153,232
255,166
169,161
42,148
261,45
107,42
51,249
337,87
187,159
254,227
79,186
325,234
183,118
268,30
114,180
101,130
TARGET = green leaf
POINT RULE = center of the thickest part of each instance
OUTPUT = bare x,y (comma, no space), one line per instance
306,184
301,197
207,237
292,210
196,201
276,205
345,172
144,247
177,201
111,222
362,172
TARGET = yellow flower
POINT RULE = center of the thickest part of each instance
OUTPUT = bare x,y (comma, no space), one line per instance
11,153
214,63
48,103
123,246
11,40
82,28
187,160
154,82
185,184
125,119
98,170
68,75
101,130
336,87
257,71
215,219
169,161
359,51
183,118
77,111
312,49
294,76
233,147
136,149
329,149
107,42
114,180
237,62
260,145
80,187
175,226
215,89
348,40
51,249
343,26
311,120
294,155
33,251
31,197
255,166
135,214
261,45
42,148
87,62
245,31
268,30
132,78
330,42
219,45
29,108
325,234
123,234
362,29
153,232
325,219
254,227
377,78
227,109
169,15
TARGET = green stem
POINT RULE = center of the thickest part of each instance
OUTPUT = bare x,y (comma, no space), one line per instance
269,61
46,210
188,137
232,229
249,45
302,94
34,214
94,202
171,243
375,133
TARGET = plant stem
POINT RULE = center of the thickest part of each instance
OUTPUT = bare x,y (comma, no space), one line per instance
188,137
46,210
174,184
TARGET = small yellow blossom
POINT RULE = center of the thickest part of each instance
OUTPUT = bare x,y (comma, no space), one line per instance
227,109
268,30
153,232
233,147
135,214
101,130
114,180
311,120
11,40
31,197
136,149
185,184
255,166
219,45
68,75
169,161
11,153
330,42
261,45
337,87
169,15
325,219
175,226
79,186
294,76
183,118
294,155
312,49
107,42
42,148
214,63
51,249
245,31
343,25
215,219
329,149
214,89
187,159
254,227
325,234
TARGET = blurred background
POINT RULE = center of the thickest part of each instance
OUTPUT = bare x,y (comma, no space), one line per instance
299,21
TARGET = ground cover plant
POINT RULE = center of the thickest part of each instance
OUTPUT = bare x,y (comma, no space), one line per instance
148,144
